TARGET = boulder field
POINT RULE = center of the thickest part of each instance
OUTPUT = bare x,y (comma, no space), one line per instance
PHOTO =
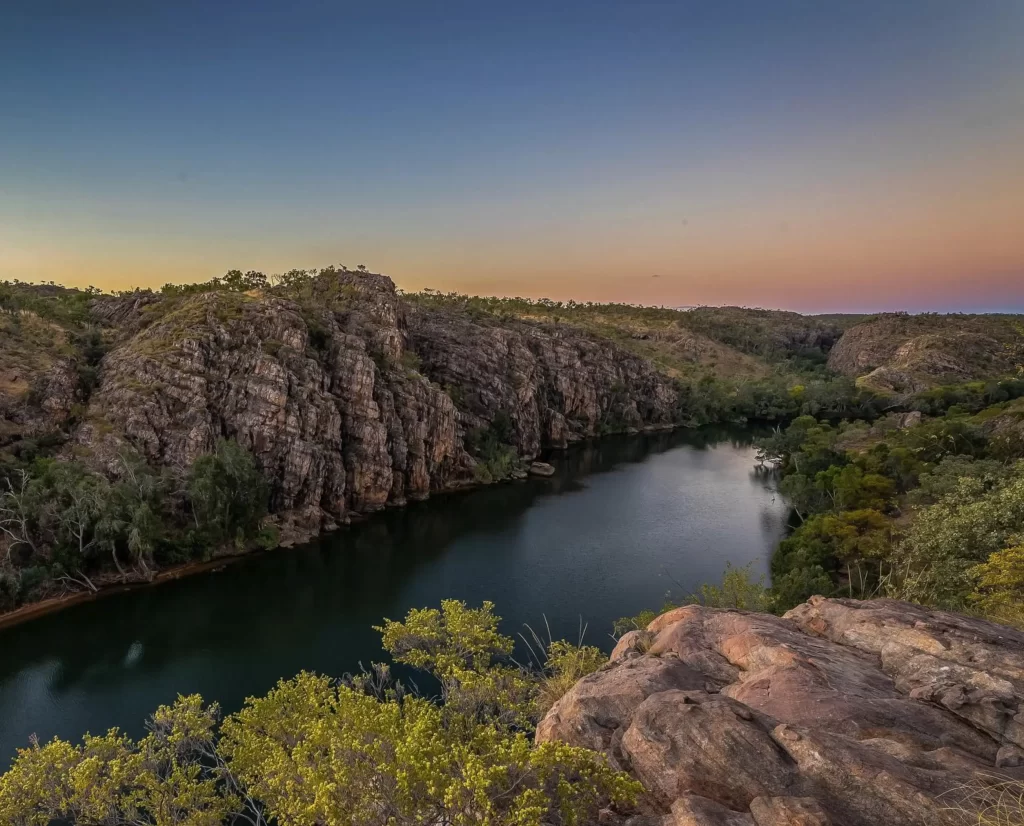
840,712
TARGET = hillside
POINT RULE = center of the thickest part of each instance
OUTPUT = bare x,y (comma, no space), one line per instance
900,353
727,342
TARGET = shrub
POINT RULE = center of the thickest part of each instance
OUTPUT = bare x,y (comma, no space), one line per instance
960,531
1000,580
738,591
565,665
318,751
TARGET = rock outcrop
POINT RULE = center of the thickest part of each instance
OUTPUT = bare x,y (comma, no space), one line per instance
842,712
900,353
352,399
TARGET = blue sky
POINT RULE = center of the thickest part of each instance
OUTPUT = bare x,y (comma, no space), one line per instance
841,155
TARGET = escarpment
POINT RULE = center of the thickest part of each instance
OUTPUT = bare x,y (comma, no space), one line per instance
842,712
349,398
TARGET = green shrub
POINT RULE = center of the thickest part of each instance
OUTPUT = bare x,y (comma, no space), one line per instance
228,494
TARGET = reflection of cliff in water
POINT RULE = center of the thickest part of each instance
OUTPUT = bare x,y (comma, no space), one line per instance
527,546
287,591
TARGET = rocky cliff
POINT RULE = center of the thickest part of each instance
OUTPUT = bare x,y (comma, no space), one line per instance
842,712
351,399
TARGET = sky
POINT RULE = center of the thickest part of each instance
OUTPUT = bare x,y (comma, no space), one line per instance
849,155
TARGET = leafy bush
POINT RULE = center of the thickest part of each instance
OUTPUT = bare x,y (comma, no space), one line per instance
564,665
316,751
1000,580
962,530
491,446
62,523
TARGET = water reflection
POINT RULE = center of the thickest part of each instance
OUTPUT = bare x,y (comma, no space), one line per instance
622,521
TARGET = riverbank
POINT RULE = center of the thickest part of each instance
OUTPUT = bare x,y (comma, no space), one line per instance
623,520
112,583
105,588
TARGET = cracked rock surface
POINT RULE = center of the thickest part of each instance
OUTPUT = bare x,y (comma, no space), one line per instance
841,712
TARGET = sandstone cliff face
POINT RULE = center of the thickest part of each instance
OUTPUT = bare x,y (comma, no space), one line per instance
558,385
352,401
842,712
900,353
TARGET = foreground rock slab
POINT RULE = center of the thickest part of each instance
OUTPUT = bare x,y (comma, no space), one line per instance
842,712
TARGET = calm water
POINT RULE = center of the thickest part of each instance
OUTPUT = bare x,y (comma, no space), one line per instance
622,522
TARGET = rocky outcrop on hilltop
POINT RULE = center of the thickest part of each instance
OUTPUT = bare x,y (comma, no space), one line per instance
901,353
350,399
842,712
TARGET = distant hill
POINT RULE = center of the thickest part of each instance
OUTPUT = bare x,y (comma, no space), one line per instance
900,353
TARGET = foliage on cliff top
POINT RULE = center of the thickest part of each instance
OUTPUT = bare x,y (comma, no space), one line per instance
927,511
727,342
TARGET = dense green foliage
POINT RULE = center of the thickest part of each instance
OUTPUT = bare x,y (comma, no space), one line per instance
62,525
65,306
930,512
319,752
493,449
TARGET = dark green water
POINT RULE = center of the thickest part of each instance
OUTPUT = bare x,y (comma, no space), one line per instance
622,522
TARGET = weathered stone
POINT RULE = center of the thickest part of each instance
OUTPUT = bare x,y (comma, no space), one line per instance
694,810
691,742
632,642
1009,757
972,668
541,469
788,811
814,718
602,702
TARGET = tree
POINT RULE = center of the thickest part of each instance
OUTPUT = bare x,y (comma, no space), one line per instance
1000,580
961,530
462,648
228,493
850,488
15,517
172,777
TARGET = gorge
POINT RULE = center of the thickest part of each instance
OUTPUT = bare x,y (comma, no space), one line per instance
145,434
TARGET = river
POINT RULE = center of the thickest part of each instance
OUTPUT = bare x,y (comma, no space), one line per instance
623,521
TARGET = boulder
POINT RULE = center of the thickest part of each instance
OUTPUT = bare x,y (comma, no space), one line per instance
541,469
842,712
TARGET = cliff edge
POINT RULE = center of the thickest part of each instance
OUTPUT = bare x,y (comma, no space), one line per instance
841,712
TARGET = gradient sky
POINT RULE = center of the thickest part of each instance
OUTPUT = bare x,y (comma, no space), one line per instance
821,156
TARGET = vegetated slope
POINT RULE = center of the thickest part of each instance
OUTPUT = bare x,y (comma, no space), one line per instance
731,343
842,712
900,353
